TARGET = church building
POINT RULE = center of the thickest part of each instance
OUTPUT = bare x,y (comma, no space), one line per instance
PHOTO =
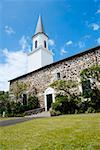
42,71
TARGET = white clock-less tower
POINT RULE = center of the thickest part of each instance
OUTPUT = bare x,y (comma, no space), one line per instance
40,55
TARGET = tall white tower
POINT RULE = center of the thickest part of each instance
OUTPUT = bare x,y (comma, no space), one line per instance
40,55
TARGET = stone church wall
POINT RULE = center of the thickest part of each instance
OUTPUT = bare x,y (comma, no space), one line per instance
68,68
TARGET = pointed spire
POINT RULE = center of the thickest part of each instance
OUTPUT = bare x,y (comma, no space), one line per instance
39,27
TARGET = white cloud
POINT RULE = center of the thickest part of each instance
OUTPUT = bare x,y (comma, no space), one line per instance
24,43
16,65
81,44
51,42
95,26
9,30
63,51
69,42
98,40
98,11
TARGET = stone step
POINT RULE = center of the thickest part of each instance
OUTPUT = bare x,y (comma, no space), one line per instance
40,115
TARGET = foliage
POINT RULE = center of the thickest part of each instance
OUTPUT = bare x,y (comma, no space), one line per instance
17,109
4,101
65,102
90,110
83,106
65,105
33,102
92,72
93,92
18,89
95,99
55,113
13,108
64,86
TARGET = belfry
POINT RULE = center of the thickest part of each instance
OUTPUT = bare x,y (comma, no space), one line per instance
40,55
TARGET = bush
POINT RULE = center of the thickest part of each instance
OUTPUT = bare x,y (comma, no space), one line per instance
64,105
55,113
19,115
90,110
33,102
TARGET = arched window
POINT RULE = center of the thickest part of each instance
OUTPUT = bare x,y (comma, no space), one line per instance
35,44
58,76
45,44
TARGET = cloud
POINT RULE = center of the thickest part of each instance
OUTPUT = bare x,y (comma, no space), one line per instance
9,30
95,26
98,11
98,40
51,42
16,65
24,43
81,44
69,42
63,51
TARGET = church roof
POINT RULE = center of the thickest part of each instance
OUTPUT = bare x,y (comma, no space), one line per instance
66,59
39,27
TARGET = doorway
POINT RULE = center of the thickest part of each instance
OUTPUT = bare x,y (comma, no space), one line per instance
49,98
49,101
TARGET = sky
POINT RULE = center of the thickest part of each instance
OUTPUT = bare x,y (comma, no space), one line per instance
73,26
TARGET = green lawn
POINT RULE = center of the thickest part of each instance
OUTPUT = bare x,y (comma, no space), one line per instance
70,132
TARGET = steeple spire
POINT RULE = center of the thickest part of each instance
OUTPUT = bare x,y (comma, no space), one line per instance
40,55
39,27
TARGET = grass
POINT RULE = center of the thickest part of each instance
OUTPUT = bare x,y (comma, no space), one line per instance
69,132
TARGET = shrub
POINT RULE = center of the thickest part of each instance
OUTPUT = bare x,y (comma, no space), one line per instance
64,105
90,110
55,113
33,102
19,115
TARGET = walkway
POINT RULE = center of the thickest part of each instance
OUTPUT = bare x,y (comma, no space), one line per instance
13,121
23,119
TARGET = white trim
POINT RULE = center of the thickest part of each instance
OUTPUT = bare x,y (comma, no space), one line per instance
49,90
39,48
79,85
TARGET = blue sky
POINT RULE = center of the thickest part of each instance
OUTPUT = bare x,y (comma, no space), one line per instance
72,26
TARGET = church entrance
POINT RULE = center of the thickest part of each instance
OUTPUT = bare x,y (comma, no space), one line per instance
49,101
49,98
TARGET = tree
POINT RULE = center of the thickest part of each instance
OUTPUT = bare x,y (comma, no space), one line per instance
65,102
33,102
92,74
64,87
4,101
65,105
18,89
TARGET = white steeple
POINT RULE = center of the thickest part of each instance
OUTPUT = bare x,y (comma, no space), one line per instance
40,55
40,39
39,27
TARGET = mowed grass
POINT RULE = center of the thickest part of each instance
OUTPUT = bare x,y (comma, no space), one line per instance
69,132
